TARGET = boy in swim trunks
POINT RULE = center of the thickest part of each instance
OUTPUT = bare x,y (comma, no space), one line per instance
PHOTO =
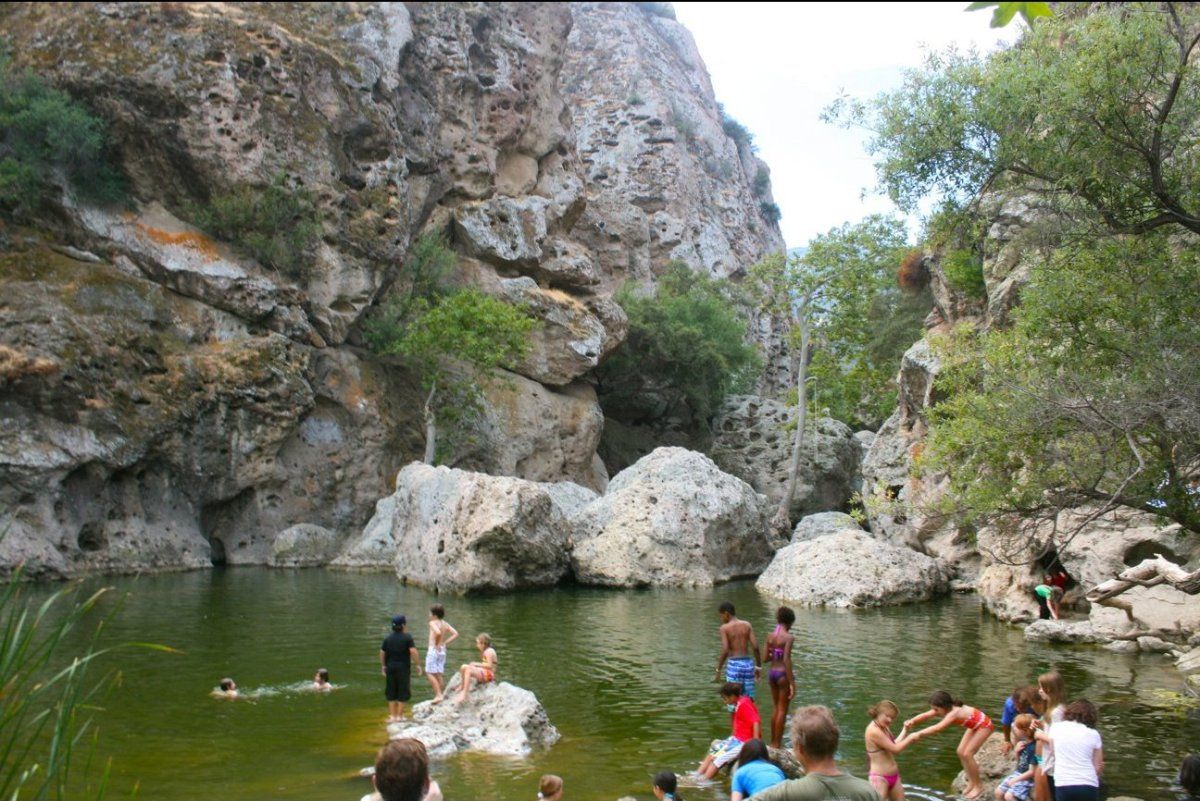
739,647
747,725
441,634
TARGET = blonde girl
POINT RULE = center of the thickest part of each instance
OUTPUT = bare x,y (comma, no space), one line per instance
882,747
482,672
1052,691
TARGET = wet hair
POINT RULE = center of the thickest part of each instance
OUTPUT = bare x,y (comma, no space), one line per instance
752,750
226,685
815,732
487,639
941,699
1082,711
785,616
668,782
731,689
1024,722
1189,774
439,611
726,606
402,770
1023,697
549,785
323,675
1052,684
874,709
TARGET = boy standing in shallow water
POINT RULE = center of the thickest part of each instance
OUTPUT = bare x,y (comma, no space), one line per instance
441,634
739,647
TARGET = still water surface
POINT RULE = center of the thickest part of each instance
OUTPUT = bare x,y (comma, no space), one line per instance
625,675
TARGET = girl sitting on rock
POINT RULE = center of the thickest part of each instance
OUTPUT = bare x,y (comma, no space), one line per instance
954,712
482,672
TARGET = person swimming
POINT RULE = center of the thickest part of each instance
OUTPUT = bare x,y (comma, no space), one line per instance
321,680
227,689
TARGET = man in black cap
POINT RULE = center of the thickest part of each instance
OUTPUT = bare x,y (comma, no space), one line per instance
396,658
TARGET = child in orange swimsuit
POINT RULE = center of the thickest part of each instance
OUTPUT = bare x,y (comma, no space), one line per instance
882,747
953,712
482,672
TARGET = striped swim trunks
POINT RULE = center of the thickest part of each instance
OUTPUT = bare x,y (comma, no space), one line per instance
740,669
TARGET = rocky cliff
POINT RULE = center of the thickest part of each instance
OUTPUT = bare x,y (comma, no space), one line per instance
167,401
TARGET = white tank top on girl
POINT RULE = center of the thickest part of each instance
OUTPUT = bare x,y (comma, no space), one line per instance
1074,747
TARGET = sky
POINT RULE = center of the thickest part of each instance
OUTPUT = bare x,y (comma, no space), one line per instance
775,66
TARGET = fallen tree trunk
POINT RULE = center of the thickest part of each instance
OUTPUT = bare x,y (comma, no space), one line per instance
1147,573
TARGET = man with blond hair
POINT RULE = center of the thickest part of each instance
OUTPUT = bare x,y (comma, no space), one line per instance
815,738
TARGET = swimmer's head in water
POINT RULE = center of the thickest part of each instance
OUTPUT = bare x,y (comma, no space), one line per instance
1189,774
438,611
399,622
228,685
323,676
784,616
731,690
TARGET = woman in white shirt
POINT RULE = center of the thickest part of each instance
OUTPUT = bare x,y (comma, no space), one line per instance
1078,753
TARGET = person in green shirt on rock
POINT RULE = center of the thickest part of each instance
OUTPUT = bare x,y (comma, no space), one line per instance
815,739
1047,597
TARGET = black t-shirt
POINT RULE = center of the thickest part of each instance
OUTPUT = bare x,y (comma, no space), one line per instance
395,649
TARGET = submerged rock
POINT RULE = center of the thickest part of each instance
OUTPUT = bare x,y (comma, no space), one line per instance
496,718
671,519
448,529
851,568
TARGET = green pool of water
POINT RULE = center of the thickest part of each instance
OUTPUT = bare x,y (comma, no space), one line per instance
625,675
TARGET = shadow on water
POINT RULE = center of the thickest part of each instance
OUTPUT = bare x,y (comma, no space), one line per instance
627,676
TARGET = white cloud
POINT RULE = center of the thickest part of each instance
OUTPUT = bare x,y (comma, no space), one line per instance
775,66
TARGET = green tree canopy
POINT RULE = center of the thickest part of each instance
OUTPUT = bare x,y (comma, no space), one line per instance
687,348
454,338
1101,105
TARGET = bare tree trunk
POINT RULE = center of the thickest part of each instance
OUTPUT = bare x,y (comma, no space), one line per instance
782,520
1147,573
430,426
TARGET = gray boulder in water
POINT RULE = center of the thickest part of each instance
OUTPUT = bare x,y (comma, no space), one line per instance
496,718
851,568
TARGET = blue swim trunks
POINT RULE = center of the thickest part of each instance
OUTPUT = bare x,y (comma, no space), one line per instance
741,670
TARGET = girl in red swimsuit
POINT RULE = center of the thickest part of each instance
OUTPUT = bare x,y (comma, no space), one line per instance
954,712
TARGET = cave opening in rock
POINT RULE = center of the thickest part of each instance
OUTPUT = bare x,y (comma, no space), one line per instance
217,556
1141,551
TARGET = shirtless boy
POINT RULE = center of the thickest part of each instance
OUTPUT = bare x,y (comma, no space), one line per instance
739,648
441,634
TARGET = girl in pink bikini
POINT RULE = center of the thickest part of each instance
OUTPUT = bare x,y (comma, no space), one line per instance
954,712
777,654
882,747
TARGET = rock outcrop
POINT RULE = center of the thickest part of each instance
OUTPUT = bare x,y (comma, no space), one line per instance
171,402
452,530
752,441
818,525
672,519
851,568
994,765
497,718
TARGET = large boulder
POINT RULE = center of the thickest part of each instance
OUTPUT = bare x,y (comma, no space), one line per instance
818,525
851,568
448,529
1066,631
752,439
304,545
994,765
672,519
498,718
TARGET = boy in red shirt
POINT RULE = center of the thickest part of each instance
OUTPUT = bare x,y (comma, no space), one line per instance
746,726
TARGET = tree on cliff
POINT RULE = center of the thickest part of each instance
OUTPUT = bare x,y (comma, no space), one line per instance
840,302
687,348
1090,399
453,338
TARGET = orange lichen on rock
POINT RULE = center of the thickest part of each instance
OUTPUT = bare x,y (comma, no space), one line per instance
185,239
15,365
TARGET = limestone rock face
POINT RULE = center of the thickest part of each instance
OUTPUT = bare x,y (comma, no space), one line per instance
751,441
497,718
205,401
1068,631
672,519
448,529
851,568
